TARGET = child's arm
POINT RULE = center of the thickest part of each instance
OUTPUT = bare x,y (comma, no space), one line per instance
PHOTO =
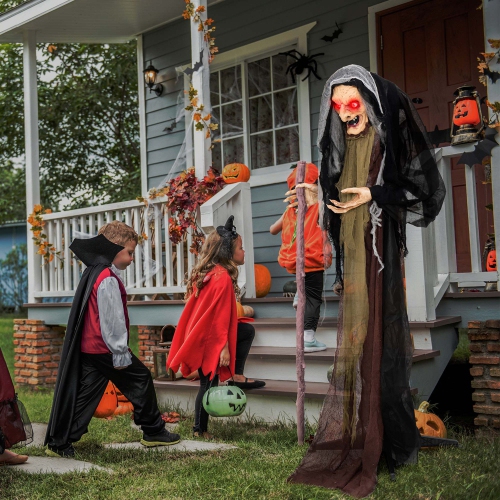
277,226
112,320
225,358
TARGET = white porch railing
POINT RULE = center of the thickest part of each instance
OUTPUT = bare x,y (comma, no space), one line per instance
431,265
159,266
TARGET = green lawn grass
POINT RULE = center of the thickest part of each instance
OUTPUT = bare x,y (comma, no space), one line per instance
265,456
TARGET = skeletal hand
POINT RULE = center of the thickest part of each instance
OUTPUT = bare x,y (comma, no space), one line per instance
362,195
311,192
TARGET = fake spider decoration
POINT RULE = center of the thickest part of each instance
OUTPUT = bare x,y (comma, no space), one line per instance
302,63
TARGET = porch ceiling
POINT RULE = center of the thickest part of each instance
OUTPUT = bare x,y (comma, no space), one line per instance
87,21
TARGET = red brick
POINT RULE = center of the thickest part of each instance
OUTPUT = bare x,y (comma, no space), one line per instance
33,366
496,423
33,381
483,336
16,342
25,343
24,328
51,350
52,335
50,380
40,343
492,323
56,357
480,384
18,335
150,342
481,421
495,372
474,324
19,364
489,410
19,321
44,373
477,371
143,337
34,351
479,397
54,373
20,350
494,347
148,353
34,336
21,381
57,342
41,359
40,329
52,365
34,322
495,397
484,360
26,373
25,358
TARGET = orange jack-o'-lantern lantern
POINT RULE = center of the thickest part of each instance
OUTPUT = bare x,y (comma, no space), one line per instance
108,403
239,310
428,423
466,112
491,261
235,172
262,280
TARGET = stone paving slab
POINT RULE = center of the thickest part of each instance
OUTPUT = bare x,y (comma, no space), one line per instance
47,465
39,431
184,445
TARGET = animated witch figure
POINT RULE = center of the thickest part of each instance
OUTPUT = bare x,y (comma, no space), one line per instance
377,173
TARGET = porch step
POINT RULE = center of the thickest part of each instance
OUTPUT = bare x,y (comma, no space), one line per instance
281,388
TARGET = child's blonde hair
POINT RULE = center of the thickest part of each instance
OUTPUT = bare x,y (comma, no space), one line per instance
212,254
118,232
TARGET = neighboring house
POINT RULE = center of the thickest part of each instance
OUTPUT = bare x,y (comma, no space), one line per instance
11,235
268,122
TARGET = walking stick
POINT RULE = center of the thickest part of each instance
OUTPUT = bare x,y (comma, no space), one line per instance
301,290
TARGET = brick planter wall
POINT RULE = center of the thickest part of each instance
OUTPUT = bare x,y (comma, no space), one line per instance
149,336
37,352
485,360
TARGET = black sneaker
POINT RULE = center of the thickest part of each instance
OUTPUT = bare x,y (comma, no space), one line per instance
163,438
67,452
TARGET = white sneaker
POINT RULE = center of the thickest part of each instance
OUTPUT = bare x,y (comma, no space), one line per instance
314,346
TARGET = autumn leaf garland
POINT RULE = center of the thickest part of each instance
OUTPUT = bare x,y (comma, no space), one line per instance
45,249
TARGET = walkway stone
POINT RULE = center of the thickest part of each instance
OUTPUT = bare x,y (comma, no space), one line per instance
39,431
184,445
47,465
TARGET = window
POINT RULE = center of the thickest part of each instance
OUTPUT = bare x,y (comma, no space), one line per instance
256,105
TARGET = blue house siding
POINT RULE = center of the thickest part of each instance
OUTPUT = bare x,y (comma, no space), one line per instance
238,24
11,235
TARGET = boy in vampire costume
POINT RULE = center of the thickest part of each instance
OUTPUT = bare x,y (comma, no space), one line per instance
377,172
96,349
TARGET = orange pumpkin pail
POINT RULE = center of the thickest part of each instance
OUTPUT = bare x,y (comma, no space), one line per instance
108,403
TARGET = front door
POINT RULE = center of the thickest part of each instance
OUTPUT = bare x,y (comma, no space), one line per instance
428,48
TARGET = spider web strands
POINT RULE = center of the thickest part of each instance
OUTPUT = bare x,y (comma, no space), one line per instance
301,290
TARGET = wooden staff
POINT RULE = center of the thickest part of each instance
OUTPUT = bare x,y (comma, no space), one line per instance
301,290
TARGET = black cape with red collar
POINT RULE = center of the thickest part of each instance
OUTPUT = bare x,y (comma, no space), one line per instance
97,254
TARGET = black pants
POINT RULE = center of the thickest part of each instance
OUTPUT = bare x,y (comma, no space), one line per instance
135,382
245,336
314,297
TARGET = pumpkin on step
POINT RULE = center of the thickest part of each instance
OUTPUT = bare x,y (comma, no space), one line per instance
244,311
429,424
239,310
235,172
262,280
108,403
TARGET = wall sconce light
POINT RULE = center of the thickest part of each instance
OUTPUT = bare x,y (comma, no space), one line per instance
150,74
467,116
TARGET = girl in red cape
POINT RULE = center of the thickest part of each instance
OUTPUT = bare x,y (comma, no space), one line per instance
206,336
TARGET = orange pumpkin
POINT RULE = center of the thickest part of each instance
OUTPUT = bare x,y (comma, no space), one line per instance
491,261
108,403
262,280
428,423
124,408
239,309
235,172
465,112
248,311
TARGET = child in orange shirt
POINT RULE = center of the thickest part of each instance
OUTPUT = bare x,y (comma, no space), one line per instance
317,249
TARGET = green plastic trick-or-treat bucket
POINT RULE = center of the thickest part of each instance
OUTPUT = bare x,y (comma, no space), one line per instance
225,401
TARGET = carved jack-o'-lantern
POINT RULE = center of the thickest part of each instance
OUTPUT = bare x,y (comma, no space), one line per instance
428,423
108,403
465,112
491,261
235,172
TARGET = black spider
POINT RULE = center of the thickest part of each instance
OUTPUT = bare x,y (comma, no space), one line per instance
302,62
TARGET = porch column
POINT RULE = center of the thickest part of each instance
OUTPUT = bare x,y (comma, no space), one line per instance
201,82
32,154
491,15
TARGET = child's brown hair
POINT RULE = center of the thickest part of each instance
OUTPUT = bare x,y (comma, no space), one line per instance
211,254
118,232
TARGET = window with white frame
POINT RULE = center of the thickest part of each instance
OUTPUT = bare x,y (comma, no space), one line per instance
255,103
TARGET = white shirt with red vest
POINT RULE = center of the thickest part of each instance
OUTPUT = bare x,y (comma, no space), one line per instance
106,322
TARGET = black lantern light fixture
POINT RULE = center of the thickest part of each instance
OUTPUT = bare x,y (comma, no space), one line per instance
150,74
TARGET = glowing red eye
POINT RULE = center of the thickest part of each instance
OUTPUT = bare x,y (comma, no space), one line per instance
354,104
336,106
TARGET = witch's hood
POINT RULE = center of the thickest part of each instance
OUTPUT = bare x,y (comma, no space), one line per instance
97,250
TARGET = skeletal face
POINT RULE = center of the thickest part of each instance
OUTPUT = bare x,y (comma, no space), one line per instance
349,105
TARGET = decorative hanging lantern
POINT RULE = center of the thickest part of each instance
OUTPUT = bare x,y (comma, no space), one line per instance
150,74
467,116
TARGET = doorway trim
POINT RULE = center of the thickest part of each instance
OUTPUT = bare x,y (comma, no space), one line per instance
372,28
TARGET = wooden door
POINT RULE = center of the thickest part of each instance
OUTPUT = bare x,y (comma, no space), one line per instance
428,48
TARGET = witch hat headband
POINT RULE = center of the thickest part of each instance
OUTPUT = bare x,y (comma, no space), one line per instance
97,250
228,234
